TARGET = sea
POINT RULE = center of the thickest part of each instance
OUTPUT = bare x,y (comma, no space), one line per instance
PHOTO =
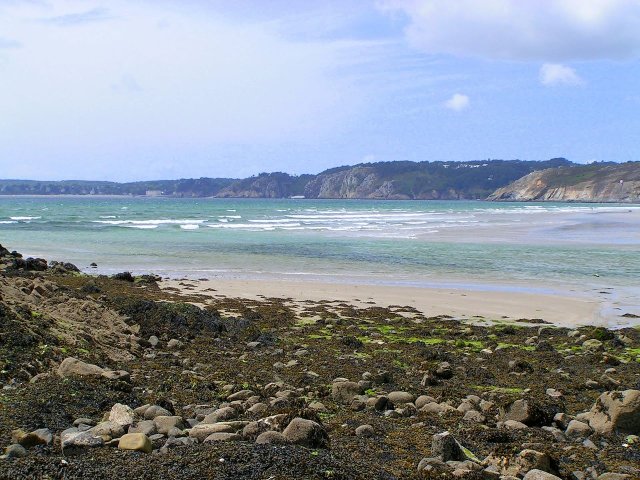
564,248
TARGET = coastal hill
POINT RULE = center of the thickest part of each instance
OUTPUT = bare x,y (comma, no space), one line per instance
596,182
382,180
510,180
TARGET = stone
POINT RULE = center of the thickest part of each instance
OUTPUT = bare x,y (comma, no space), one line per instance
526,412
318,407
616,412
473,416
203,430
365,431
73,442
223,437
533,460
108,430
400,398
73,366
422,400
122,414
446,447
220,415
615,476
138,442
343,392
241,395
83,421
306,433
15,451
592,345
148,427
514,425
165,423
42,436
259,409
536,474
430,464
272,437
174,343
577,429
153,341
154,411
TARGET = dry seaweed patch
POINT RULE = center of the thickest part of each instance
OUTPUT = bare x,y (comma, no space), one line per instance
233,345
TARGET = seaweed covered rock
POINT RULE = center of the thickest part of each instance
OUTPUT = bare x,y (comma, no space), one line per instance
171,319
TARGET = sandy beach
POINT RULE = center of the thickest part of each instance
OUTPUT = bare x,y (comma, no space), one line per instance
476,305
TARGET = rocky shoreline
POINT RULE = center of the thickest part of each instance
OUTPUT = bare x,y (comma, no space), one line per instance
107,376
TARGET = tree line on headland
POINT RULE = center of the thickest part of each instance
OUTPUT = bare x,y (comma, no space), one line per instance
494,179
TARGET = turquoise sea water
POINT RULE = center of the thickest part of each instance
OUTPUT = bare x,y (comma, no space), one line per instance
585,248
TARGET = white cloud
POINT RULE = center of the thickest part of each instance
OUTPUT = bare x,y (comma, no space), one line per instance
554,30
552,74
457,102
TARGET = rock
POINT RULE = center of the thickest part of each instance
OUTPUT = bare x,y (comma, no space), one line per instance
473,416
529,413
400,398
122,414
592,345
422,400
174,343
73,366
153,341
203,430
343,392
241,395
533,460
430,464
154,411
514,425
15,451
148,427
615,476
536,474
616,412
42,436
444,371
306,433
220,415
138,442
108,430
272,437
260,409
164,424
577,429
318,407
365,431
223,437
446,447
561,420
83,421
73,442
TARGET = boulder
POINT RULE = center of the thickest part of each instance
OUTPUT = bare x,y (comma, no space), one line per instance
592,345
154,411
536,474
74,442
241,395
138,442
445,447
42,436
444,371
148,427
530,413
220,415
577,429
400,398
365,431
108,430
166,423
306,433
616,412
533,460
73,366
203,430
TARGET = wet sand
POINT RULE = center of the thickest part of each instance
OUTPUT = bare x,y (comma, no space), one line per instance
471,304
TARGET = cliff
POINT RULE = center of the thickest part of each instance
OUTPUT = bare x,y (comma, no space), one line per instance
597,182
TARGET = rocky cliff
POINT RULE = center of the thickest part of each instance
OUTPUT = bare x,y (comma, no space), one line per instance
598,182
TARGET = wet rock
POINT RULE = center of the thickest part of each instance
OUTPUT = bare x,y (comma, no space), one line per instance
592,345
616,411
343,392
42,436
306,433
138,442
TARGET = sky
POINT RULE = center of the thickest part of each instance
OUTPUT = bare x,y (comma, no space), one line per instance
158,89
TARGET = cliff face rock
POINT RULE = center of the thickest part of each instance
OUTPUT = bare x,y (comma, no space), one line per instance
357,182
584,183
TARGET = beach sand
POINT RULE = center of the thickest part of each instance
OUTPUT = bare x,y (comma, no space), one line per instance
471,304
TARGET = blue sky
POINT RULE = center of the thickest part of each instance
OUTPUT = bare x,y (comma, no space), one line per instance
141,89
